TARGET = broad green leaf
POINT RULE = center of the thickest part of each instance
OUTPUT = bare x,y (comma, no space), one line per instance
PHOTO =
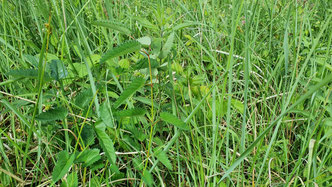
88,135
136,132
148,178
81,69
54,39
147,101
124,63
27,73
105,142
144,63
163,158
106,115
93,59
58,70
111,25
177,67
169,118
146,41
84,98
62,166
238,105
123,49
156,46
167,47
88,157
129,91
112,94
70,181
53,114
97,166
130,112
32,60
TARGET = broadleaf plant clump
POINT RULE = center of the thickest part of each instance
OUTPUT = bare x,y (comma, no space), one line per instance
165,93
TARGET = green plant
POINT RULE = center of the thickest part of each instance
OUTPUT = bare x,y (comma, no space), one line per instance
165,93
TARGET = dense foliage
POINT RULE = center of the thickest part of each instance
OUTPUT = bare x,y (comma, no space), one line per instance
165,93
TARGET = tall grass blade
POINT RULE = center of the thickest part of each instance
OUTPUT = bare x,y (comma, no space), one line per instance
324,82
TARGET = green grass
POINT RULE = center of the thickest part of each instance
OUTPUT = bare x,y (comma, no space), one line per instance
165,93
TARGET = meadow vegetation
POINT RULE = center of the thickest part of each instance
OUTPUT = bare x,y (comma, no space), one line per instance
165,93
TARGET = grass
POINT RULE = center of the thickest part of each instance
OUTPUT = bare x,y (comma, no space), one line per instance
214,93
